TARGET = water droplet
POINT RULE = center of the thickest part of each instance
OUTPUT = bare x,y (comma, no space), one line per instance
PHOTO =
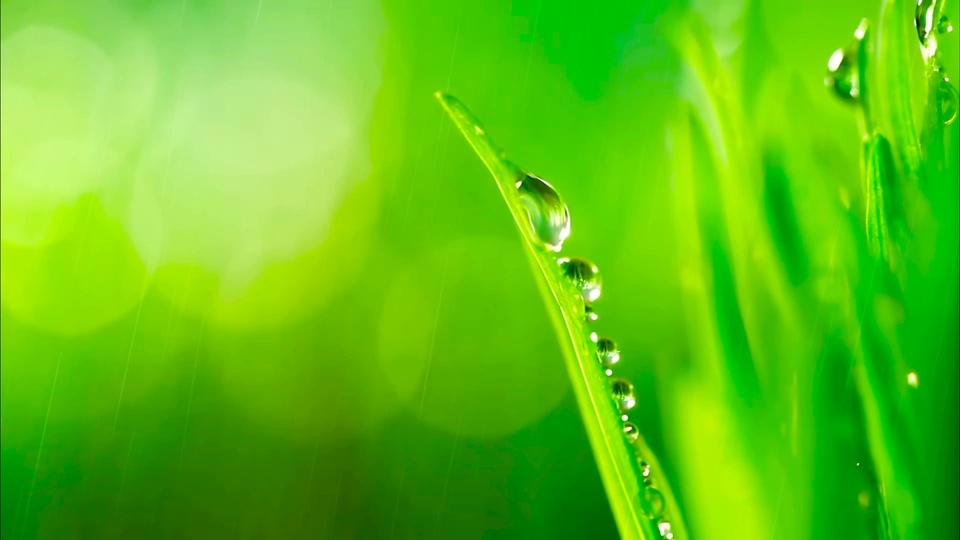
923,19
664,527
608,372
589,313
631,431
864,499
948,98
644,469
593,337
549,216
652,502
608,352
622,391
912,380
944,26
585,276
843,73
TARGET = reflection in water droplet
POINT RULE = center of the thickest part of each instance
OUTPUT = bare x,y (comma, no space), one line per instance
948,98
644,469
549,216
631,431
913,380
589,313
608,352
622,391
843,73
944,26
652,502
585,276
664,527
593,337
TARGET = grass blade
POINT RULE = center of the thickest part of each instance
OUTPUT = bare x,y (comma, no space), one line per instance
617,461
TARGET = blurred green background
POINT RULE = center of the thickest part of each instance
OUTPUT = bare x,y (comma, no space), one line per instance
255,285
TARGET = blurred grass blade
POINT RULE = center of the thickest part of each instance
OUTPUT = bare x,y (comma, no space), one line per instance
616,460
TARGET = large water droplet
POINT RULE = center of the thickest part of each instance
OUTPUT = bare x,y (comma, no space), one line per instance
631,432
843,73
948,98
549,216
622,391
585,276
652,502
664,527
608,352
923,19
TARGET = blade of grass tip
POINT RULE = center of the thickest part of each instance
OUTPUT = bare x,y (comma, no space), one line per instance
616,460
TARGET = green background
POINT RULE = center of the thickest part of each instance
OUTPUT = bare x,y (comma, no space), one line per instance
255,285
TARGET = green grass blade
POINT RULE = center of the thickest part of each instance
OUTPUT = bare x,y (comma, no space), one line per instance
618,463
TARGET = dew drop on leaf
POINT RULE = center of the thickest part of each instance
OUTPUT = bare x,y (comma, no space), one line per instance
913,381
843,73
644,469
585,276
923,19
589,313
948,98
549,216
944,26
623,393
631,432
653,502
664,527
608,352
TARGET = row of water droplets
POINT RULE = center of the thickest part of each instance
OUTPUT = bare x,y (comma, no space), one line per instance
843,69
550,225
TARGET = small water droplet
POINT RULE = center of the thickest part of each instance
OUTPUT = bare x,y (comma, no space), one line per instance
664,527
948,98
593,337
549,216
585,276
652,502
631,431
608,372
589,313
624,418
644,469
622,391
912,380
843,73
944,26
608,352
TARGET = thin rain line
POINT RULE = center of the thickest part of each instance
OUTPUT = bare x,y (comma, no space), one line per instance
193,382
306,497
256,21
43,436
126,466
856,345
126,369
533,40
396,509
433,334
446,479
776,510
818,369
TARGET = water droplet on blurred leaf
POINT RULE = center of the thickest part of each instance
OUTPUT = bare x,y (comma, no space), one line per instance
623,393
608,352
631,432
549,216
584,275
653,502
843,72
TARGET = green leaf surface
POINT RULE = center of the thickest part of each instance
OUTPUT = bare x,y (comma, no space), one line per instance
618,463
